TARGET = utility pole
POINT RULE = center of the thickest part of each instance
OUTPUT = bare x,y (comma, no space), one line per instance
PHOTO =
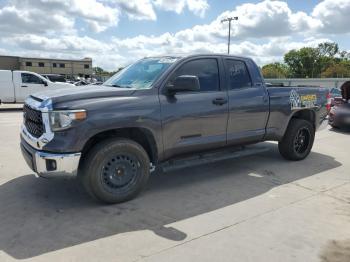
229,20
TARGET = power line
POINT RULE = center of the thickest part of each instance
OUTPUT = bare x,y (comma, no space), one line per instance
229,20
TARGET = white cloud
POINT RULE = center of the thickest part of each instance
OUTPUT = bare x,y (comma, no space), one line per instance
13,20
198,7
64,44
301,22
264,31
138,9
170,5
268,19
333,16
43,16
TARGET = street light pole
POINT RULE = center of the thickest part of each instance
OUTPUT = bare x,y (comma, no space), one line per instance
229,20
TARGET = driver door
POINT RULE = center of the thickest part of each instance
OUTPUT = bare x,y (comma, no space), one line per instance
195,120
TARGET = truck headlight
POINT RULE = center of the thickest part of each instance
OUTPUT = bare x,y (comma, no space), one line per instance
60,120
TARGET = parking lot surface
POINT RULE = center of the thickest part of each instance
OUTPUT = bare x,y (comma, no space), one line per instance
257,208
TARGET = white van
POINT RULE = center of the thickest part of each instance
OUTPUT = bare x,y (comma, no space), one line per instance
15,86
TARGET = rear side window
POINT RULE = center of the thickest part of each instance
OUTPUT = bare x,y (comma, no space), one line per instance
205,69
255,72
238,74
30,79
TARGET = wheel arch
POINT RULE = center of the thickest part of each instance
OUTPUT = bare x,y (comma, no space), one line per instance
305,114
142,136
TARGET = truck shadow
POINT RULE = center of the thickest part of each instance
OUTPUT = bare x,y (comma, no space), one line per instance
38,216
343,130
336,250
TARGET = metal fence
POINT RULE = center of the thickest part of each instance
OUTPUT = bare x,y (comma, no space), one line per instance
321,82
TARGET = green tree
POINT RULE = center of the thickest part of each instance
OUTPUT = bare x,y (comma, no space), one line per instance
305,62
328,52
328,49
275,70
326,60
341,69
98,70
344,55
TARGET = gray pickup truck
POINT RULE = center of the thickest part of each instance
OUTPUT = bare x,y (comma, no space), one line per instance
163,111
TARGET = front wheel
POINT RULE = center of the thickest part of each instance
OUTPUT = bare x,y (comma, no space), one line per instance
115,170
298,140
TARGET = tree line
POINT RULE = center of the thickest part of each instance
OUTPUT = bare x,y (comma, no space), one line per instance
324,61
98,71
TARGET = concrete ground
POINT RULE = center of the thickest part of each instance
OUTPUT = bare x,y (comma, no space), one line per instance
10,107
258,208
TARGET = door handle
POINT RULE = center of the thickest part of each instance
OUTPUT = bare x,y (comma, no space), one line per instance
24,86
219,101
266,99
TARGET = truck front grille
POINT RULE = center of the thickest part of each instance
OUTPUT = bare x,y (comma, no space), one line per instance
33,121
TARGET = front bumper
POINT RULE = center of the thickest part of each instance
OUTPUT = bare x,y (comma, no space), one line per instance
50,164
46,164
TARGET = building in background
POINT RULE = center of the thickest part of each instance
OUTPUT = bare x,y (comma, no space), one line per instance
68,68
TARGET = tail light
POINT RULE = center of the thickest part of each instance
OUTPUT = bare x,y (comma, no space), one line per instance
329,102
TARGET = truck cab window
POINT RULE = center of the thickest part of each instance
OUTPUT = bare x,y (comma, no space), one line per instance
205,69
30,79
238,74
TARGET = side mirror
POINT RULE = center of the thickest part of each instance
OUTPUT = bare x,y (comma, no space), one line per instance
45,83
184,83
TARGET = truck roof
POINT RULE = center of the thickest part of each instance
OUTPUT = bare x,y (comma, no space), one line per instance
179,56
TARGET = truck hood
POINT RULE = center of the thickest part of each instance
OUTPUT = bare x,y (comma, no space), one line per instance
82,92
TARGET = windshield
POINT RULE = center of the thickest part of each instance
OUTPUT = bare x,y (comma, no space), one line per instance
142,74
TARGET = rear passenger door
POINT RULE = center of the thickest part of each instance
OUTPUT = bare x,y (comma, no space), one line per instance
248,103
195,120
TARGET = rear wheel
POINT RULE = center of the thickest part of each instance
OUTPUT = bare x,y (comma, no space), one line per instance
115,170
298,140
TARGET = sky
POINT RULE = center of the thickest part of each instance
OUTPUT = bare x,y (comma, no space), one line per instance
115,33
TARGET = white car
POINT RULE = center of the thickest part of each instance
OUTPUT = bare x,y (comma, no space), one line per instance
15,86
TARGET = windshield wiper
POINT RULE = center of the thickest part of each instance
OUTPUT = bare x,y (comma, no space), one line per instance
114,85
119,86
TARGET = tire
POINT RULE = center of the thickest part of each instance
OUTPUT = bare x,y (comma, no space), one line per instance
331,123
115,170
298,140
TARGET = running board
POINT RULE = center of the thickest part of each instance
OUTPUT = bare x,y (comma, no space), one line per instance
207,158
